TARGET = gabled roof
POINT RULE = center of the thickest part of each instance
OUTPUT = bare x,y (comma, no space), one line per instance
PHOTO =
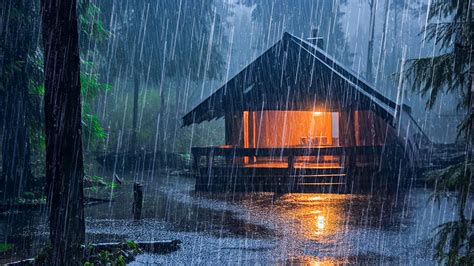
293,75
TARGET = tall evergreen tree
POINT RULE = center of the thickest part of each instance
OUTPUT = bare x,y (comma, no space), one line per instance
17,28
62,107
155,40
451,27
448,71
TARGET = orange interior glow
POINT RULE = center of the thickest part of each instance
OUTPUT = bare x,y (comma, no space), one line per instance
246,133
293,129
276,129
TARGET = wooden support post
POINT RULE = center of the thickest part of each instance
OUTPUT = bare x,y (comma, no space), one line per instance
352,140
291,164
210,160
137,200
196,158
289,182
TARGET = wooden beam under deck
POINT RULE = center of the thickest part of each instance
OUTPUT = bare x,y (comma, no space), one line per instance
286,151
285,172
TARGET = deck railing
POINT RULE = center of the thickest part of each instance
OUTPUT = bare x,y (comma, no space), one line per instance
348,155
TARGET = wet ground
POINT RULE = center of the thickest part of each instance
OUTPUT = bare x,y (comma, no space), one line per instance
261,227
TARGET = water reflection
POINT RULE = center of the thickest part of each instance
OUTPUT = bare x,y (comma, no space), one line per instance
315,216
315,261
262,228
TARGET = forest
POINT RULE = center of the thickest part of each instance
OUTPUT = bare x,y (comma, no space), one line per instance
236,132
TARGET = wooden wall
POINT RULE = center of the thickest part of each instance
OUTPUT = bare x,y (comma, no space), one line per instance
270,129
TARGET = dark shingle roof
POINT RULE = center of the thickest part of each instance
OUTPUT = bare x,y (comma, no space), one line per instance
292,74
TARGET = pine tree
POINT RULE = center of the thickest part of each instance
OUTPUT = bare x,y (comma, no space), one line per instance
451,71
62,107
17,42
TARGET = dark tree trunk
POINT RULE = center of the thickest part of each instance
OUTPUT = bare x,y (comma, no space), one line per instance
15,147
62,106
381,57
136,92
470,114
470,134
370,48
17,43
137,201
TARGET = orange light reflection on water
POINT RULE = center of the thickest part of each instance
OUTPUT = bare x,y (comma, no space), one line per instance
316,215
316,261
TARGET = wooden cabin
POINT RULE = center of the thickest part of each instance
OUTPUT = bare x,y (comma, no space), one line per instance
295,120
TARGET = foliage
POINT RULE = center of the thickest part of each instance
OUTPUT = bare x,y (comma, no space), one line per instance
29,198
20,16
150,102
450,178
163,46
4,247
89,21
453,178
120,255
94,180
453,33
324,15
91,29
158,39
94,183
132,245
451,28
90,85
90,89
44,255
454,241
433,75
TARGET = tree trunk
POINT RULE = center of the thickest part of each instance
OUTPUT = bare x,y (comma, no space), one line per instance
470,108
137,201
136,92
370,48
62,107
471,133
162,128
470,114
381,57
15,147
17,42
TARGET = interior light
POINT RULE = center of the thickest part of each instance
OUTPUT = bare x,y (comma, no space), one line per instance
320,222
315,198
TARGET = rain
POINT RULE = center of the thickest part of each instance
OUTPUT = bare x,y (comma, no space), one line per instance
224,132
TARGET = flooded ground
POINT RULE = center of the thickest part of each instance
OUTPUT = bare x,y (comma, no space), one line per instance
261,227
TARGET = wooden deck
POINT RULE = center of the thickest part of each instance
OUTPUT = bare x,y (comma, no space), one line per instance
296,165
251,169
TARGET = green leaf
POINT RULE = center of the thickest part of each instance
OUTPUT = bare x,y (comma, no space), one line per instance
104,256
132,245
120,260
